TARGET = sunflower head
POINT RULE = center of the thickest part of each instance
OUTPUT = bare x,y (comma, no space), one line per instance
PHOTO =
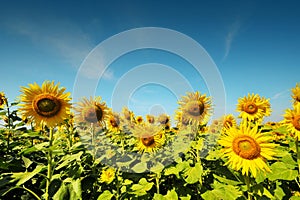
150,119
228,121
128,116
139,120
247,149
296,94
91,111
113,122
48,105
195,108
3,100
292,120
107,175
253,107
149,137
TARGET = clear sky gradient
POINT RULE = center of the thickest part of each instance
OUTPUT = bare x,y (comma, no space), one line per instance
254,44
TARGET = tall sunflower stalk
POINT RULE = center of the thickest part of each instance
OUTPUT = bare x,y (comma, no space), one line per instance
49,166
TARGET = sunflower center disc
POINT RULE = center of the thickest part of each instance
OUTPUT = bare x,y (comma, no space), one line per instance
296,122
195,108
47,106
93,115
250,108
246,147
148,141
228,124
114,123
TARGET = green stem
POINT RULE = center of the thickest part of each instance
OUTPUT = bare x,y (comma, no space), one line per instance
118,185
8,136
157,182
298,155
247,181
31,192
49,167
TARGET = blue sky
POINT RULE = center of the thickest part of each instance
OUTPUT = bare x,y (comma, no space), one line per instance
254,44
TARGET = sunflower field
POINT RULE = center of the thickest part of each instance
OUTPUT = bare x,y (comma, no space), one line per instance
52,148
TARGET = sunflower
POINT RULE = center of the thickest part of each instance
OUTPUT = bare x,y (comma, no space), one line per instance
47,105
292,120
228,121
3,100
113,122
107,175
139,120
296,94
128,116
247,149
195,108
164,120
253,107
150,119
91,111
181,121
149,137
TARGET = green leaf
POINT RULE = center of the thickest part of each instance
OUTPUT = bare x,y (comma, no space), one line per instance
75,189
106,195
281,171
220,190
172,170
142,187
69,158
61,193
157,168
278,192
23,177
194,174
227,181
171,195
26,161
288,160
140,167
188,197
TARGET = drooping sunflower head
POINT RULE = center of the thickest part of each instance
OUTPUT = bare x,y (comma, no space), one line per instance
296,94
292,120
253,107
149,137
228,121
3,100
91,111
150,119
113,122
195,108
247,149
128,116
48,105
107,175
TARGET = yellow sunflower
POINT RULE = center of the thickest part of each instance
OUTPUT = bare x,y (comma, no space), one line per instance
181,121
296,94
3,100
149,137
253,107
91,111
107,175
228,121
292,120
150,119
247,149
139,120
128,116
47,105
164,120
195,108
113,122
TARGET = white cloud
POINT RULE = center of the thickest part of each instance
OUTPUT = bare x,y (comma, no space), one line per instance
280,94
232,33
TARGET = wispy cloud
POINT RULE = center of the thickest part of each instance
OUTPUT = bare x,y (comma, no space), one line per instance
61,37
232,33
281,94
